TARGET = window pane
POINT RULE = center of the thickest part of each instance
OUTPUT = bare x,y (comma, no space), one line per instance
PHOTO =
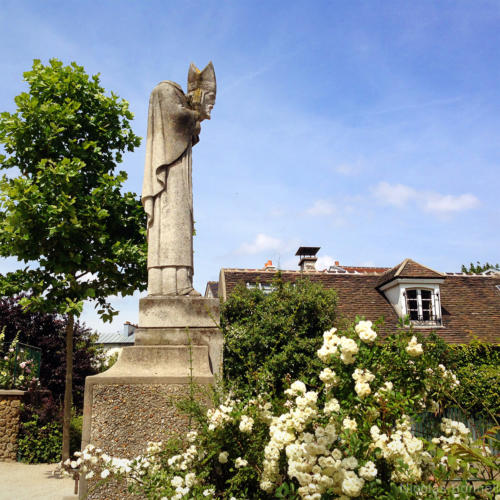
426,305
412,304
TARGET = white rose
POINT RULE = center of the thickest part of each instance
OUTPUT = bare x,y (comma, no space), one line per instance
240,462
177,482
297,387
362,389
413,348
368,471
331,406
246,424
365,331
329,377
349,424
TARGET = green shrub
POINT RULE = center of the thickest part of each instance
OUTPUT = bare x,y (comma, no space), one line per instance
271,339
75,433
477,365
42,443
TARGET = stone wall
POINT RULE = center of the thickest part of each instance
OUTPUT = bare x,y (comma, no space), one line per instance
10,404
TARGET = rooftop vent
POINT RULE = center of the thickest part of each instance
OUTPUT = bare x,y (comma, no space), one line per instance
308,258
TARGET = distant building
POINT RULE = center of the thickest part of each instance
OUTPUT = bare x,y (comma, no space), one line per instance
457,306
212,290
113,342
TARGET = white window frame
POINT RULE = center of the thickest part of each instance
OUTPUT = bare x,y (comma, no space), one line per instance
435,306
395,292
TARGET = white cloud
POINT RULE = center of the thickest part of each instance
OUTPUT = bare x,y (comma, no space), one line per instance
321,207
262,243
448,203
346,169
400,195
393,194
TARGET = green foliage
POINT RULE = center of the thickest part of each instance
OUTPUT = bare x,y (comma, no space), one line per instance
41,443
108,361
477,365
76,433
479,268
62,206
269,339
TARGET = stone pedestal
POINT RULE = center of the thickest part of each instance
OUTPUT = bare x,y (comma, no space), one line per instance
178,341
10,405
165,320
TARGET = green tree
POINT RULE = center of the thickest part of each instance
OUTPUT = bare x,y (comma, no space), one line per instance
62,211
479,268
271,339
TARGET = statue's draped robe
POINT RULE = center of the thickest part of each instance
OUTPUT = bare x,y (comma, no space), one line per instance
167,193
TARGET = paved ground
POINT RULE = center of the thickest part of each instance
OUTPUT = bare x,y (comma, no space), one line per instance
33,482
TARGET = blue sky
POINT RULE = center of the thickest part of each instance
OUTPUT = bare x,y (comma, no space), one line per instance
368,128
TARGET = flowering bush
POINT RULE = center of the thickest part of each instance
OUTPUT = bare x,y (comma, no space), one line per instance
17,369
349,437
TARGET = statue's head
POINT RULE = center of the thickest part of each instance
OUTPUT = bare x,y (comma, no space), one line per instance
202,89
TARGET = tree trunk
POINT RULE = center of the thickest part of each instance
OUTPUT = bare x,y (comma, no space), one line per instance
68,391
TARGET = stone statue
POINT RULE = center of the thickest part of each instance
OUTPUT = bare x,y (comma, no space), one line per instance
167,195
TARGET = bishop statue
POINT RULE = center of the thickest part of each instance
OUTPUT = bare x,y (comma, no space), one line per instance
167,195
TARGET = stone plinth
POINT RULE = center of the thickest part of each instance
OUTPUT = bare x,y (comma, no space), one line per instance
134,402
165,320
178,312
10,405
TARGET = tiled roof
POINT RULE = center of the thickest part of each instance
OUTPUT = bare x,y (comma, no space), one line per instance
470,304
408,269
365,270
213,287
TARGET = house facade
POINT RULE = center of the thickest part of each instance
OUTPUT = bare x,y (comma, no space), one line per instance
112,343
457,306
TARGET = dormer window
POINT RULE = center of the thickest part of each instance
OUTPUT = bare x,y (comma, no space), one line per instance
422,306
413,291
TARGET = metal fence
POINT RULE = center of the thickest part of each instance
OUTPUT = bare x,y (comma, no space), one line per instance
428,425
19,363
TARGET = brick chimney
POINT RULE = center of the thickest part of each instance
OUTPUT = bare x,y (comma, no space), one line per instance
128,328
268,266
308,258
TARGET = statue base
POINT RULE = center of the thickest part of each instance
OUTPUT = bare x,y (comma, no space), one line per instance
181,320
178,342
